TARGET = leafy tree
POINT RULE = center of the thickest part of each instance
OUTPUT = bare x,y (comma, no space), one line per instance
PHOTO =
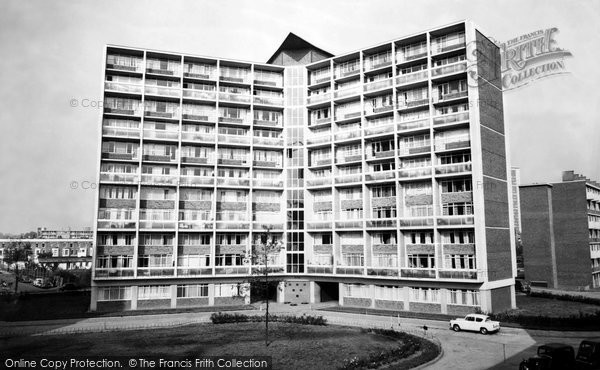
17,252
261,253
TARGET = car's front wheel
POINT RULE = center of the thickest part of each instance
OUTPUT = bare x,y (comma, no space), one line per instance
456,328
483,331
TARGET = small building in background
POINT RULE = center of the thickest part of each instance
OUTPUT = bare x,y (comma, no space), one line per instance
561,232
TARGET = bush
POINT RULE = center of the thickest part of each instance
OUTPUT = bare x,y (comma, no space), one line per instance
227,318
566,297
409,346
581,320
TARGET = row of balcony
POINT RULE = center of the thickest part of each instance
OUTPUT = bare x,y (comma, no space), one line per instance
390,223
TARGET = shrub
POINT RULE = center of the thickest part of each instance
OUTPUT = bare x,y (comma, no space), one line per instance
581,320
226,318
566,297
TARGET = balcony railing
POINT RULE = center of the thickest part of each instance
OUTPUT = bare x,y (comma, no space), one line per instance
378,85
340,116
199,94
402,56
268,100
350,224
232,270
448,144
449,69
157,224
205,159
241,78
425,147
348,178
123,110
121,131
416,221
418,273
382,271
270,183
451,44
266,81
123,87
381,223
458,274
161,134
319,98
113,273
348,158
318,139
349,91
267,163
271,141
452,168
155,271
451,118
162,91
233,225
349,134
160,179
379,62
269,123
414,172
325,181
343,270
381,175
194,271
318,225
320,78
240,161
246,120
348,71
450,96
121,155
234,139
407,104
381,154
199,73
196,225
130,64
412,125
197,136
380,129
319,269
116,224
236,98
321,162
411,77
172,114
130,178
172,71
195,180
380,109
455,220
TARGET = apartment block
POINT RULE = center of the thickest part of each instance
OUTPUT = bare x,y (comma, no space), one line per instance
561,232
382,171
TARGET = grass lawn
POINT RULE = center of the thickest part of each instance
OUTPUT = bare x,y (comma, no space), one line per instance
551,307
292,347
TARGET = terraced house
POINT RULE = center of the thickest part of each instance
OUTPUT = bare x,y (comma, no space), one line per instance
382,171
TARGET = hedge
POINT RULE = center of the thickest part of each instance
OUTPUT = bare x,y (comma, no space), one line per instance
227,318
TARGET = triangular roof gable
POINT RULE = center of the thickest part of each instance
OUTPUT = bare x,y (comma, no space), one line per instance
293,42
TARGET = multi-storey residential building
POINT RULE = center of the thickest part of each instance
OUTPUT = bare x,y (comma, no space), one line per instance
67,249
383,171
561,232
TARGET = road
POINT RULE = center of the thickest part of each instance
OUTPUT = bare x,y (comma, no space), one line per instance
463,350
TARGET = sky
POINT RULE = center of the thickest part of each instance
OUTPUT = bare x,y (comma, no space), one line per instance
52,57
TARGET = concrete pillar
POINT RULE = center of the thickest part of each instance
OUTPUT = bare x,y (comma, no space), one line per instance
372,294
444,300
315,292
134,297
485,296
341,294
173,296
211,294
513,298
94,298
406,296
281,292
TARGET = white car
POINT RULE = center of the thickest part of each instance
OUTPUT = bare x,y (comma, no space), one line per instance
475,322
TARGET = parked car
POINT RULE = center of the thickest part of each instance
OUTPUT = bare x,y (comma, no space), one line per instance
68,286
588,355
551,356
475,322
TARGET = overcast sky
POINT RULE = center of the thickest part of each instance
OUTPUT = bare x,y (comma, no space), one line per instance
52,53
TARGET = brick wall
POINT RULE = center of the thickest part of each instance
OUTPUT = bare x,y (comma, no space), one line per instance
389,305
149,304
195,204
460,311
357,302
415,200
229,301
501,299
322,206
157,204
114,306
425,307
191,302
384,202
194,249
267,207
115,250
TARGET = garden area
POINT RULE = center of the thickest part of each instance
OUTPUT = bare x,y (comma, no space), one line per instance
300,343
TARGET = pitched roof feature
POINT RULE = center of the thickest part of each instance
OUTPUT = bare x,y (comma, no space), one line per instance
294,43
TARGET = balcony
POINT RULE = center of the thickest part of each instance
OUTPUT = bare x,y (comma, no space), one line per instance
267,183
269,141
320,78
157,224
196,225
449,45
378,62
349,224
241,161
172,70
269,81
344,270
341,116
123,87
244,120
456,220
206,159
199,116
414,124
321,162
162,91
385,223
416,222
233,225
411,54
232,270
409,104
316,269
449,69
349,70
127,178
268,100
267,163
155,271
194,271
380,129
318,139
381,154
348,158
199,73
121,155
232,181
199,94
425,147
113,273
382,271
125,132
186,180
261,226
116,224
378,85
418,273
268,123
197,136
452,143
440,98
234,98
347,178
160,179
161,134
346,92
458,274
381,175
159,157
234,139
448,169
319,98
348,134
451,118
124,63
238,78
411,78
379,110
318,225
319,121
169,114
325,181
122,109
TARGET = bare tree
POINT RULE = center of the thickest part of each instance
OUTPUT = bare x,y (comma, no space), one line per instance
261,253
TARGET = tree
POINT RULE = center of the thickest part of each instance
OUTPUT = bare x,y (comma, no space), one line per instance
267,248
17,252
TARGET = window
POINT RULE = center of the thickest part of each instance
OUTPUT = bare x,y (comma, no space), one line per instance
356,291
458,237
192,291
384,212
421,261
457,209
154,292
419,238
383,191
385,260
353,259
388,293
427,295
117,293
463,297
226,290
459,261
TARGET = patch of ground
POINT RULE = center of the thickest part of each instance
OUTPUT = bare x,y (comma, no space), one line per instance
535,306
